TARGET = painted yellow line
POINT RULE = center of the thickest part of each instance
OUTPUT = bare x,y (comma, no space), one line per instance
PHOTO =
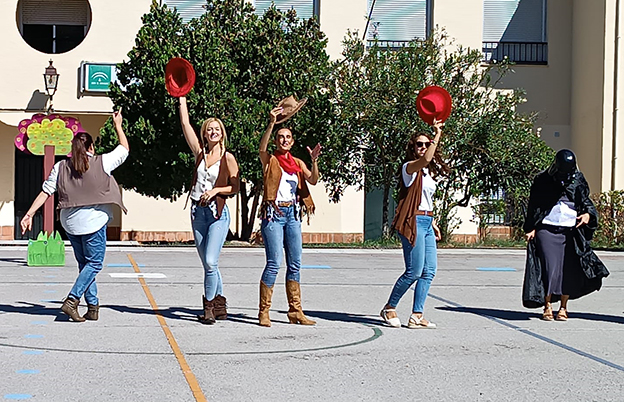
186,369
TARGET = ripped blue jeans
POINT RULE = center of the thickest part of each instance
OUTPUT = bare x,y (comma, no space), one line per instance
282,232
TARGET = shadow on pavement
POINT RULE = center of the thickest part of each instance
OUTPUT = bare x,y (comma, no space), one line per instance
344,317
19,261
511,315
34,309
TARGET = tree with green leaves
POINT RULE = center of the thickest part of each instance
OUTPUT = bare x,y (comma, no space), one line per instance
486,143
244,65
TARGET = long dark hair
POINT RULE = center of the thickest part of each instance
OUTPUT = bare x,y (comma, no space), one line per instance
437,166
80,145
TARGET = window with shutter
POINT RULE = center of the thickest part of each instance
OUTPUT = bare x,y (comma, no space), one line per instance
398,20
188,9
305,9
515,29
53,26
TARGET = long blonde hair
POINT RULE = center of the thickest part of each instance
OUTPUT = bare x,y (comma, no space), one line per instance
204,127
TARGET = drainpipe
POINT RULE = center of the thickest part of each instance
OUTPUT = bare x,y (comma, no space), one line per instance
615,142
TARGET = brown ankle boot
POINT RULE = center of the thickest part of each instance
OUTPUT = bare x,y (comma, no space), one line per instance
220,307
70,307
266,294
295,313
208,317
92,312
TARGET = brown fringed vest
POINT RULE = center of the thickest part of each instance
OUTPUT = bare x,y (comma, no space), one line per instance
272,177
405,216
93,187
223,179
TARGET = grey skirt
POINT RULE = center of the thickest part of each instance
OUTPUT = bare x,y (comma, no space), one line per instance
555,249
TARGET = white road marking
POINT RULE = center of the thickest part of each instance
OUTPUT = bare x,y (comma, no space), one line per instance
134,275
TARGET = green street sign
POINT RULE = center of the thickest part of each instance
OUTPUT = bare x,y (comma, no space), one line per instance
96,77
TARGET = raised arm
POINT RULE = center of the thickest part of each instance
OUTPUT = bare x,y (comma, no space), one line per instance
118,123
187,129
312,176
264,142
415,166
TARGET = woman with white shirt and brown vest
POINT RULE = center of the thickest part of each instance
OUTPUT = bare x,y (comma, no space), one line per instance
416,226
286,199
86,192
214,179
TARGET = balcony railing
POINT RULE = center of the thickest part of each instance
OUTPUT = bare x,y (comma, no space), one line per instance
517,52
391,44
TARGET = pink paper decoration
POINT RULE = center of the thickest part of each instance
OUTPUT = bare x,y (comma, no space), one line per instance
50,130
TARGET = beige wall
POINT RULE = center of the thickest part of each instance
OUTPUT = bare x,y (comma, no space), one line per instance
462,20
337,17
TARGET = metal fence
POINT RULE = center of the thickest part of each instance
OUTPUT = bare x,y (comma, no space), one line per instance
517,52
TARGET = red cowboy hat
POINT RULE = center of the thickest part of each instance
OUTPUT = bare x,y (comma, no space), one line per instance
179,77
433,102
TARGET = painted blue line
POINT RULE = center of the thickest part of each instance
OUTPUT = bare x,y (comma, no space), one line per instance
123,265
17,396
538,336
48,301
50,276
39,322
50,291
27,371
50,284
503,269
315,267
33,336
32,352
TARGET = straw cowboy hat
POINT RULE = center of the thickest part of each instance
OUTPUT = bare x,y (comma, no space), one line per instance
433,102
179,77
291,106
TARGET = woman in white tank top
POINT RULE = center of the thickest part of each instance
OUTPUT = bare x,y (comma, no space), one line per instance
210,217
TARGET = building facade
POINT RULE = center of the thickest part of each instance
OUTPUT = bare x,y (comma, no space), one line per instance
567,55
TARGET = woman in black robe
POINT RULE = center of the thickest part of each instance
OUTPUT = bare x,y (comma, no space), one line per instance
560,223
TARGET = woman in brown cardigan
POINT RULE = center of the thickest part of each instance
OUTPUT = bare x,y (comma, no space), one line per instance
417,228
286,199
215,178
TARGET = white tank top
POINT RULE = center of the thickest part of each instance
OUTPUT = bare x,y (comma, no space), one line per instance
287,190
206,179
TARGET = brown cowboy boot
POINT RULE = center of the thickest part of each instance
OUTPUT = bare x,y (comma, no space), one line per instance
208,317
295,313
220,307
266,294
70,307
92,312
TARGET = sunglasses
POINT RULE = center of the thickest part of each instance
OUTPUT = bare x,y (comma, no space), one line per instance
420,144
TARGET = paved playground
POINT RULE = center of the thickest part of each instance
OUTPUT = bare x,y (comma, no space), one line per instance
148,346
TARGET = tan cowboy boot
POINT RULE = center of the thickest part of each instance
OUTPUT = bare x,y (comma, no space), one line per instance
220,307
70,307
208,317
266,294
295,313
92,312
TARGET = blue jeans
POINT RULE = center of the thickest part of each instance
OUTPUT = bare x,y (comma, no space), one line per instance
89,251
421,264
210,234
278,233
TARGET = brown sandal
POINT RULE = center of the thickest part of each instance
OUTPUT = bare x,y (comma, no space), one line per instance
548,314
562,314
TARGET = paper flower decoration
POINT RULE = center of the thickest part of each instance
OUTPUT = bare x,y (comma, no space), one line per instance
41,130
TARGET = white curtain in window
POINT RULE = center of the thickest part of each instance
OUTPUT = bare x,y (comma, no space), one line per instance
514,20
55,12
304,8
398,20
188,9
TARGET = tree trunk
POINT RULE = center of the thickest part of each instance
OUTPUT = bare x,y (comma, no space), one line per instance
385,226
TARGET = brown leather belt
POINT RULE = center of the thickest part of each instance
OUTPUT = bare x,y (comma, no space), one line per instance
285,204
426,213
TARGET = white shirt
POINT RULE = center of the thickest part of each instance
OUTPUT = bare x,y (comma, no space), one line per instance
428,187
561,215
206,179
287,190
91,218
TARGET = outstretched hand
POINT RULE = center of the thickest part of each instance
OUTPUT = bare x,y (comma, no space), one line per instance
315,153
437,125
26,223
274,113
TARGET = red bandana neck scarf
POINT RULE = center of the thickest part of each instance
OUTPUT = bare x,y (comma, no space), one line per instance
287,162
